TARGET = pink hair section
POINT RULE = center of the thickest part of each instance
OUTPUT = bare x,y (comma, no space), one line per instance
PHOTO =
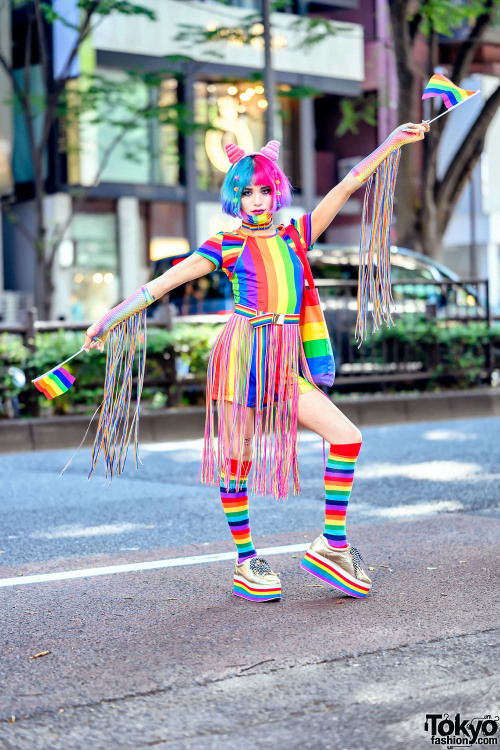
267,173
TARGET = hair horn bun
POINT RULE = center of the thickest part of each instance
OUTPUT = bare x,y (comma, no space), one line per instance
234,153
271,150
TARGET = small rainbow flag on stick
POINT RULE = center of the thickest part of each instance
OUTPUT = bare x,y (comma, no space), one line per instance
56,381
452,95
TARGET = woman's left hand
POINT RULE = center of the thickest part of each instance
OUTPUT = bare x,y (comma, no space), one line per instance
417,130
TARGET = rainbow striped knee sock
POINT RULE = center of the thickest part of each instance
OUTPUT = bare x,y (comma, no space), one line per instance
235,504
339,476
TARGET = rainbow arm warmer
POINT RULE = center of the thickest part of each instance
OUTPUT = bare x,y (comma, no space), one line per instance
397,138
137,301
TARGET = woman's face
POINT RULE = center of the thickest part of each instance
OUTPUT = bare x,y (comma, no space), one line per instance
256,199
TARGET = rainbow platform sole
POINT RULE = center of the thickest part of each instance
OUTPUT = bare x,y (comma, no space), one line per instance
335,576
255,592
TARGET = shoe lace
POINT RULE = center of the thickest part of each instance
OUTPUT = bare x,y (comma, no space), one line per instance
357,559
259,566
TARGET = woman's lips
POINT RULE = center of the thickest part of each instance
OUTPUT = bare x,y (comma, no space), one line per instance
259,211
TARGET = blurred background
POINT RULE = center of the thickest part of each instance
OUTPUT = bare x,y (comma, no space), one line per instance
113,120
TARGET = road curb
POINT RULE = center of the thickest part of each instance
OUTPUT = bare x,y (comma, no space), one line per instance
20,435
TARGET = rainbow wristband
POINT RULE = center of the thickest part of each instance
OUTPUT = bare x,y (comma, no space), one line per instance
367,167
133,304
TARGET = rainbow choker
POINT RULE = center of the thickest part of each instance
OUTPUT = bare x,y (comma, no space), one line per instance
257,223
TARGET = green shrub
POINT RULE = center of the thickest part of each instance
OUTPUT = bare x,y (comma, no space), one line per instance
459,350
187,342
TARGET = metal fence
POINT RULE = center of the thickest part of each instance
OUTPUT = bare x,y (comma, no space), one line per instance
423,344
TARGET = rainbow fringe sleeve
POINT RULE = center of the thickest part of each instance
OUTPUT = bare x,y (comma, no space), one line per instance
133,304
367,167
374,283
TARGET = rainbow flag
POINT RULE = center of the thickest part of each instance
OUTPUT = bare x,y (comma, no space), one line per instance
55,382
441,86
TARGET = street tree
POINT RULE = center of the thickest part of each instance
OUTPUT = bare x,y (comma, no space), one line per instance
423,214
66,99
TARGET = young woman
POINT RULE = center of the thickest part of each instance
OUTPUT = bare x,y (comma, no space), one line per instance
259,387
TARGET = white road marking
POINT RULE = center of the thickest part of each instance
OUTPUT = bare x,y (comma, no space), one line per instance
175,562
433,471
75,531
419,509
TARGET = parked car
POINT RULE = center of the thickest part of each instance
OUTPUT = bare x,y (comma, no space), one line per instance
445,295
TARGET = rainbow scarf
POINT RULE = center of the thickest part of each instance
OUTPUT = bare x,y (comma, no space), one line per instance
451,94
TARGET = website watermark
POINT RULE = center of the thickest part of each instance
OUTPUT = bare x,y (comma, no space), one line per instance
453,731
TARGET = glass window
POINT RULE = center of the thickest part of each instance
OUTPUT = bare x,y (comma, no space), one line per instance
95,282
287,132
122,146
236,111
22,163
168,137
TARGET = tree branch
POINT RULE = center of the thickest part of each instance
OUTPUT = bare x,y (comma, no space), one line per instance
53,97
414,24
27,57
449,188
42,44
15,85
468,50
469,47
403,53
82,35
462,178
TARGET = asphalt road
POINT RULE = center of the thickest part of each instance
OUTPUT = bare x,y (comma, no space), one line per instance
168,657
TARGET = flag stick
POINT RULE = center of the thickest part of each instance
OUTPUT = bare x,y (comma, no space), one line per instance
454,107
61,364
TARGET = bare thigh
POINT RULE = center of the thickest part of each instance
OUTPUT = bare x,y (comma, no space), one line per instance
318,414
237,449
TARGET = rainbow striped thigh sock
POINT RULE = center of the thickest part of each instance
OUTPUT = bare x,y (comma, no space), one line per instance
339,476
235,504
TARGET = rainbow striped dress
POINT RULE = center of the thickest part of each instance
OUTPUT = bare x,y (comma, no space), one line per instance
258,359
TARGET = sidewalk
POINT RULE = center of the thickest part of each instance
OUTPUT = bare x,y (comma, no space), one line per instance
22,435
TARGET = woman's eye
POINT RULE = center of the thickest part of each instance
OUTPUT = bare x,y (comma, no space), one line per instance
266,190
246,193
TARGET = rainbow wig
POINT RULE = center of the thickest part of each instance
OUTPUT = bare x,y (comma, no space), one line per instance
258,170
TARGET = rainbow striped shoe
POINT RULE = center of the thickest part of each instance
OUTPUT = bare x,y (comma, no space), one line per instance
254,580
338,567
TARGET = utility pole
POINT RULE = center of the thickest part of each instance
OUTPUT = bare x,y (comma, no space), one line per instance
269,82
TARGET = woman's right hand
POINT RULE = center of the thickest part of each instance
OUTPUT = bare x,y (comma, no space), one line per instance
91,343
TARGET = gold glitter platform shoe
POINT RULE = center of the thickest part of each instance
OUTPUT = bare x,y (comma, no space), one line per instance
254,580
338,567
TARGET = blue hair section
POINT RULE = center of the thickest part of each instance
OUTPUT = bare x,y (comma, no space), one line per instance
238,176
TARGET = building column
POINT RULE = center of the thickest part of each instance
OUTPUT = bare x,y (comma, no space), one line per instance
57,211
134,270
307,132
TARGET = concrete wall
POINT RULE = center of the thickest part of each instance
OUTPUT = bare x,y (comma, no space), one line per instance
140,36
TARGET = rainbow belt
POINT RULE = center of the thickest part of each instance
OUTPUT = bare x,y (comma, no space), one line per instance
258,318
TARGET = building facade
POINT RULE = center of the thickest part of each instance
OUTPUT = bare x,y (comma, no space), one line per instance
122,216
